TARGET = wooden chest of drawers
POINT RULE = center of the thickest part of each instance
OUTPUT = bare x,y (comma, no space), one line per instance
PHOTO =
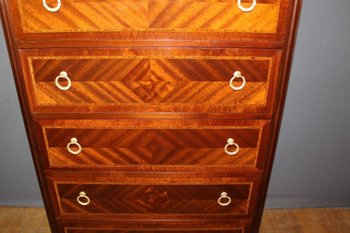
152,116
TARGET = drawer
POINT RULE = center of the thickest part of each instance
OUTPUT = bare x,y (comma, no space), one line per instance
142,199
173,226
154,19
166,144
121,198
87,230
151,80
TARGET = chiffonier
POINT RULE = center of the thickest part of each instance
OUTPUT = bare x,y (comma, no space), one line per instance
152,116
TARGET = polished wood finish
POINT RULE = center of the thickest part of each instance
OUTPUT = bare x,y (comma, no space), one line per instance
160,81
289,50
321,220
157,199
154,79
152,196
165,21
149,15
123,143
158,227
87,230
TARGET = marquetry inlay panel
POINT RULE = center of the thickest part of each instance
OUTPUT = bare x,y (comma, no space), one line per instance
87,230
161,227
187,144
150,15
152,116
168,80
141,199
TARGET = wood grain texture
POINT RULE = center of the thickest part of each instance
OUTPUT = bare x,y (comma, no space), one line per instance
162,144
23,220
174,226
306,221
13,52
152,196
175,80
321,220
159,199
266,26
87,230
293,20
152,15
136,184
167,45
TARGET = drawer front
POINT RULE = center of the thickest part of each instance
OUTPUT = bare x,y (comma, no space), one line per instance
87,230
113,196
151,80
167,16
156,199
155,227
143,143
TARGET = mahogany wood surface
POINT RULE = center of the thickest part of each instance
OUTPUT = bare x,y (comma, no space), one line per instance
143,21
153,73
152,15
123,143
135,196
152,227
142,199
294,16
152,79
87,230
319,220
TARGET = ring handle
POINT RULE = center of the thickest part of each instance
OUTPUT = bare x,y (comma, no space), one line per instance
63,75
74,142
82,199
231,142
237,74
224,200
52,9
246,9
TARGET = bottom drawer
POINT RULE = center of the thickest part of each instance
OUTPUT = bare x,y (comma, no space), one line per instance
169,199
113,197
156,227
88,230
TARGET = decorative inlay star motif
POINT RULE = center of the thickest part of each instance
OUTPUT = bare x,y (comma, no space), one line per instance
153,197
152,91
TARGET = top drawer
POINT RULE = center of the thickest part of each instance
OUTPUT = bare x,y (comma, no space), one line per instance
152,19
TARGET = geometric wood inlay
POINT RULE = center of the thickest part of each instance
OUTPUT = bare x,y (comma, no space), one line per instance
88,230
150,15
131,145
164,199
164,82
134,122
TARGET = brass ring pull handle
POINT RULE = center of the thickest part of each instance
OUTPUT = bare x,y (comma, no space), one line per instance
82,199
231,142
63,75
74,142
224,200
246,9
52,9
237,74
